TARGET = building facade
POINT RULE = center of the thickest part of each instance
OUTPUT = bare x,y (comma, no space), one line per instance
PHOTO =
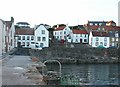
41,35
79,36
24,37
10,33
7,40
62,33
99,39
2,35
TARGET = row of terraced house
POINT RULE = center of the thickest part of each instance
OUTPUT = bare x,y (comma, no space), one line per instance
7,32
95,33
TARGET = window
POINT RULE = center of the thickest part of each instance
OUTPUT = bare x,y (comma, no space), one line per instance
85,35
43,39
23,44
105,44
23,37
76,40
60,32
85,40
55,33
32,37
64,32
28,37
80,35
65,37
43,31
69,37
19,38
97,39
28,43
105,39
97,44
41,44
60,37
116,35
38,38
32,42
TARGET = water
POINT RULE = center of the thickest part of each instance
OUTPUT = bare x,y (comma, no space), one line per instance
91,74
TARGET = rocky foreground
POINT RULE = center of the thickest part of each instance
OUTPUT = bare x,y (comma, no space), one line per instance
76,53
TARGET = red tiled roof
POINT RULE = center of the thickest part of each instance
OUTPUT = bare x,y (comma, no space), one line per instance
111,28
100,34
80,32
28,31
60,28
93,27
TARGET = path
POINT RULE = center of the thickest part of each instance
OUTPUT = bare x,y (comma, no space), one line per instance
14,69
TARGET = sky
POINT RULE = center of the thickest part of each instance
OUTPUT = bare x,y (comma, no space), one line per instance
71,12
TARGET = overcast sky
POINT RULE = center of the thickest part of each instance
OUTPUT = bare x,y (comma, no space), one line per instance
71,12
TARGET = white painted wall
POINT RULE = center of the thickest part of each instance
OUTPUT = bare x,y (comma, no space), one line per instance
11,35
58,34
1,30
92,41
76,38
25,41
90,38
2,37
38,33
101,39
61,34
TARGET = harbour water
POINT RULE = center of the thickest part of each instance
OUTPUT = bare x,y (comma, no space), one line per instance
90,74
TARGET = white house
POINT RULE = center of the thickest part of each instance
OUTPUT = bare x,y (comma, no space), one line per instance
41,35
79,36
24,37
2,35
62,33
97,39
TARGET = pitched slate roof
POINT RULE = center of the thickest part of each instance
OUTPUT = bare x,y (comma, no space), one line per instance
23,23
24,31
60,28
102,22
79,31
100,34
